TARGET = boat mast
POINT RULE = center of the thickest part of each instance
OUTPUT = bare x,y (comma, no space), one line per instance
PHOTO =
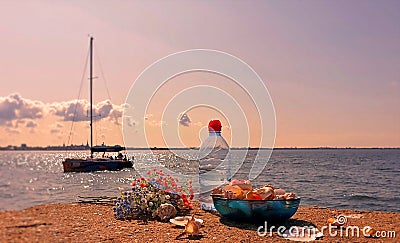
91,96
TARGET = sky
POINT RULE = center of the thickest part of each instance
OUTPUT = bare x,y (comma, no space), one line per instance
332,70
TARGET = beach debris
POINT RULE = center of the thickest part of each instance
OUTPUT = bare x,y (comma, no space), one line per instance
106,200
301,233
241,189
182,221
354,216
165,211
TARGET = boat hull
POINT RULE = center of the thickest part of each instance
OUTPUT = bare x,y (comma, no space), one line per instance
83,165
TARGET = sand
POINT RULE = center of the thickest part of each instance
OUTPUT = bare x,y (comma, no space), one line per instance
77,222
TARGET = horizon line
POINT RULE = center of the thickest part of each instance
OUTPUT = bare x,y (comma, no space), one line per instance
86,147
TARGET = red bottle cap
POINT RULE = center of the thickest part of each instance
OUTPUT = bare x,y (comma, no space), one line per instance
214,126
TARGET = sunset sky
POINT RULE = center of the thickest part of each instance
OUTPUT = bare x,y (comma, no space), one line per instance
332,68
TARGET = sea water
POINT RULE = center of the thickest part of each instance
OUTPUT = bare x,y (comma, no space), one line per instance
366,179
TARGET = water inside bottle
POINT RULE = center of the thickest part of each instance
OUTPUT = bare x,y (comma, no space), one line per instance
213,167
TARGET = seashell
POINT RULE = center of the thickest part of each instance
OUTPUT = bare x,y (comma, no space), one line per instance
331,221
269,185
217,191
253,196
280,197
334,222
245,186
233,192
236,181
369,232
192,227
182,221
266,193
165,211
290,196
279,191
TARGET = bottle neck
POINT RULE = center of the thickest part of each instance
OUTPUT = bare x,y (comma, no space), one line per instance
214,133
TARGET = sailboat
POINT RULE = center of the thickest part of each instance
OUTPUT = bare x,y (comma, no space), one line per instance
93,163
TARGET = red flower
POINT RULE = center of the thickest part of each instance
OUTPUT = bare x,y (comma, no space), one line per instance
133,183
142,185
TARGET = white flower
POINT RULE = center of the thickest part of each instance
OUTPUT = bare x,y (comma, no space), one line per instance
151,204
167,197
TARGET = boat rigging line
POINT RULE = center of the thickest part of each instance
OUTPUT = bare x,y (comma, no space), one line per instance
79,96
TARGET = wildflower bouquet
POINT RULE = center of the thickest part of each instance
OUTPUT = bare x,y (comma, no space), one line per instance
147,195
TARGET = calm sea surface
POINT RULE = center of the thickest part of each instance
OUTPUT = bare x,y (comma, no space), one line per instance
365,179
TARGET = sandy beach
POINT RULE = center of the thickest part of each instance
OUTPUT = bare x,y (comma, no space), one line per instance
77,222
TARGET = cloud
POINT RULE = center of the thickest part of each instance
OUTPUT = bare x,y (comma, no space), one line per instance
17,122
56,128
184,120
156,123
54,131
16,110
31,124
14,107
130,121
12,130
79,110
151,120
7,123
116,113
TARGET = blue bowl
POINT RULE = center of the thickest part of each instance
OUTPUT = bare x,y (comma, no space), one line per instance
256,210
